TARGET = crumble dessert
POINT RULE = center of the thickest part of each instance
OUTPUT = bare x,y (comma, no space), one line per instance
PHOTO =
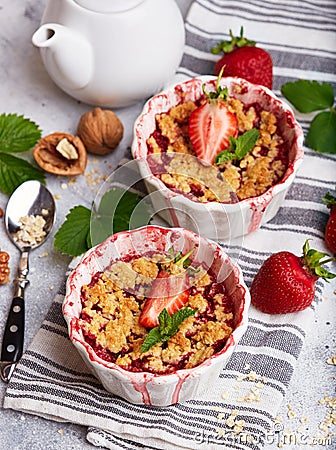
170,152
113,301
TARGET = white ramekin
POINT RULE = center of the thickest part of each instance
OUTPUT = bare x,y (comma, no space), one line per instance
216,220
144,387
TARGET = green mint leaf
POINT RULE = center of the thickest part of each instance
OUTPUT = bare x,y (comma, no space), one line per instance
165,322
116,212
246,142
72,237
224,156
233,143
152,338
308,96
239,147
322,132
17,134
14,171
181,315
168,326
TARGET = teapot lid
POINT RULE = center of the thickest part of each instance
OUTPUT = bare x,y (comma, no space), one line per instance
108,6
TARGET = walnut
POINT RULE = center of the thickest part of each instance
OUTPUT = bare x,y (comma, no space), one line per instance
4,269
61,154
100,130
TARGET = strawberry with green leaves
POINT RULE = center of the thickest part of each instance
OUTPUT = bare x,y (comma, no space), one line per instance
330,230
212,124
168,291
285,283
243,59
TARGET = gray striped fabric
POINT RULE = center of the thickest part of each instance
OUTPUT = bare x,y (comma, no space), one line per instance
51,380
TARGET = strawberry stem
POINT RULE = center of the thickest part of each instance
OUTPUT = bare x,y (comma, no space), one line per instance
329,200
314,260
220,93
179,259
184,259
235,42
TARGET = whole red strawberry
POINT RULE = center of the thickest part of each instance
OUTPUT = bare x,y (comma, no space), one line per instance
330,230
243,59
285,282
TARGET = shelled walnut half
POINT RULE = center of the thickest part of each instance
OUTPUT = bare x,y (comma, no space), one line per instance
61,154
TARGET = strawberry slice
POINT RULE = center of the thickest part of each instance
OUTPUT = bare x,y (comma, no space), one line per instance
210,128
167,291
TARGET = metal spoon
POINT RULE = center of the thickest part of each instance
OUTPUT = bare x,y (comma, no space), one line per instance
31,198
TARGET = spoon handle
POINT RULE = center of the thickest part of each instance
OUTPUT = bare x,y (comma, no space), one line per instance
13,338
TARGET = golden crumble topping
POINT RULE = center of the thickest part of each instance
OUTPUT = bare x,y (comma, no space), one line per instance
112,307
227,182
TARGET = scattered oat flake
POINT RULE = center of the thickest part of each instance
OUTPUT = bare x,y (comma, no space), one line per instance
43,255
291,414
247,366
57,196
332,360
304,419
64,186
253,376
225,395
51,287
277,419
60,431
238,426
230,421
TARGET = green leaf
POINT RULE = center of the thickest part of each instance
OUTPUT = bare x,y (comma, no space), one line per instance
181,315
72,237
239,147
14,171
152,338
224,156
165,322
308,96
116,212
322,132
17,133
168,326
246,142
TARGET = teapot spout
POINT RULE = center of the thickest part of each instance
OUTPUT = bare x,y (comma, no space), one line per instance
67,55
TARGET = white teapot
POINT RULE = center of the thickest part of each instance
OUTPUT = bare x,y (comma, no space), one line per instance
111,52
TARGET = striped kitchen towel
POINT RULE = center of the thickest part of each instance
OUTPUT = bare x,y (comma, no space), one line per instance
238,412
